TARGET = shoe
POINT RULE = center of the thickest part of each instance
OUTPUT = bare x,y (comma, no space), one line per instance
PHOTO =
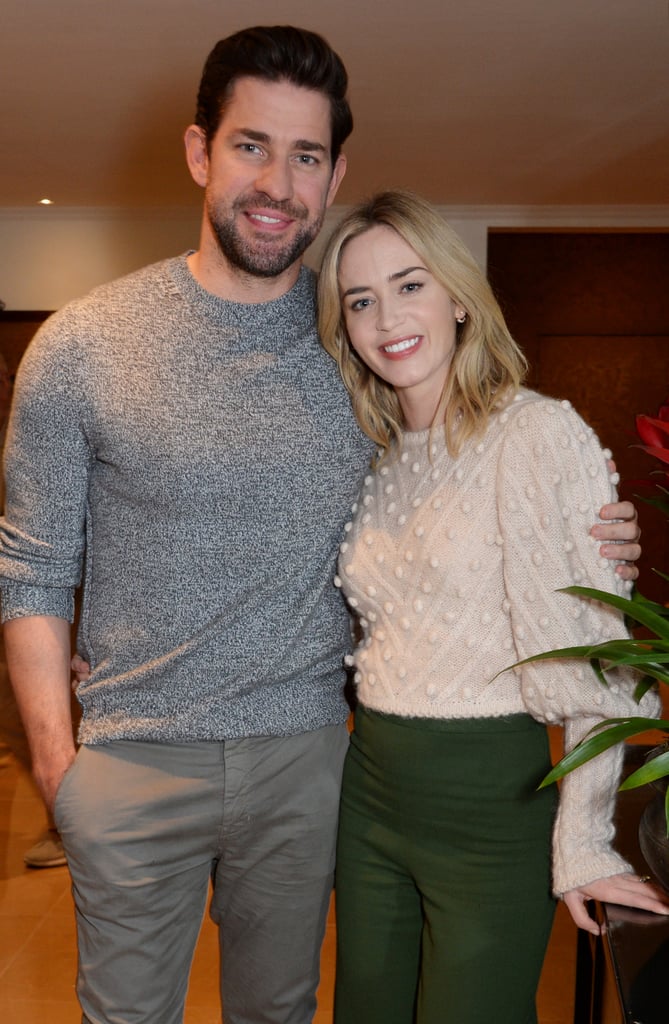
47,852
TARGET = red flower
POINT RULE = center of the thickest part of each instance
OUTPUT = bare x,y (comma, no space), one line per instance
655,433
663,413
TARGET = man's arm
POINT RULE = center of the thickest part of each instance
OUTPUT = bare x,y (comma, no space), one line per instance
620,535
38,659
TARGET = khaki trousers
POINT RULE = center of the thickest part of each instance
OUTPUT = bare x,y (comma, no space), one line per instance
146,826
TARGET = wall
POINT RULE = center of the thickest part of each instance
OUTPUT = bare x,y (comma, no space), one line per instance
48,256
591,313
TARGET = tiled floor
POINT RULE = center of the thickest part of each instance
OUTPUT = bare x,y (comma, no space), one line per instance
37,945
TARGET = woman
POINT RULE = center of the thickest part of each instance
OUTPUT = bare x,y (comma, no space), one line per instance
475,513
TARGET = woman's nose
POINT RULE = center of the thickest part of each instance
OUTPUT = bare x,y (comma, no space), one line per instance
387,315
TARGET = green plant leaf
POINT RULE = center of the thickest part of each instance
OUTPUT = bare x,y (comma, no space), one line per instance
565,652
640,611
654,768
642,687
660,609
660,503
652,670
604,735
633,658
648,655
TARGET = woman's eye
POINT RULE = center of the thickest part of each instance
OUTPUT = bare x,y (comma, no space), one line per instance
412,286
359,304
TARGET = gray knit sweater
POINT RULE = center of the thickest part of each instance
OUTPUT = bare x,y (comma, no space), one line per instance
196,460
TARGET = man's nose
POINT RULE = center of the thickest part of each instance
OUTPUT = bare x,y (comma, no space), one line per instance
275,180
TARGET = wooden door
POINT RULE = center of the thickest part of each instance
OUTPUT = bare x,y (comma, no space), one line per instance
591,312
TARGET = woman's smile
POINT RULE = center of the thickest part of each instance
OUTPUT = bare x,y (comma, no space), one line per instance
403,348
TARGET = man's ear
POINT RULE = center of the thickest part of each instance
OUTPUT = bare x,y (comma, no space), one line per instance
338,172
197,156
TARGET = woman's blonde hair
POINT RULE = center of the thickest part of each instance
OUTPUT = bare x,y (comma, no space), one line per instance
487,366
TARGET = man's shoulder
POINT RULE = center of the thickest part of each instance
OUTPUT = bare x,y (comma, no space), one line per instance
111,303
95,321
153,279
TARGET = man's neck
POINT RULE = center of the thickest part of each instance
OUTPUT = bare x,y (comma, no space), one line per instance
216,275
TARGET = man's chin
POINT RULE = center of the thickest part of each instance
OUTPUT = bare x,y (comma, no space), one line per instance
268,259
258,253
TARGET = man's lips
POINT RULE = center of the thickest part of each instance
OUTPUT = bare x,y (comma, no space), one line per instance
268,220
402,348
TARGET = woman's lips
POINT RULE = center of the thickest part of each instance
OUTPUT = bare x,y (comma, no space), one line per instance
402,348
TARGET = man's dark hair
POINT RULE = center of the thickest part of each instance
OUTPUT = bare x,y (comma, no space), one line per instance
275,53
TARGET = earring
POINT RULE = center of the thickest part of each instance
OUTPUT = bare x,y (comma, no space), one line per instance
461,319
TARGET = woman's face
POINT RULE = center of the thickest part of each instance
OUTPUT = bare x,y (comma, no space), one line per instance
400,320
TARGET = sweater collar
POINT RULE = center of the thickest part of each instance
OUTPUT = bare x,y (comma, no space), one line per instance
297,306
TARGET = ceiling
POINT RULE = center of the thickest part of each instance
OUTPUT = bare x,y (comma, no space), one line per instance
477,102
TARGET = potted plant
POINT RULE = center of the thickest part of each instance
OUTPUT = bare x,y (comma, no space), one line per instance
648,654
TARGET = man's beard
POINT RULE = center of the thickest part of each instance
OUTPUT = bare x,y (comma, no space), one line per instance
261,258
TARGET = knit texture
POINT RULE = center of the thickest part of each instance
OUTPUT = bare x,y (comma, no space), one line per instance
453,567
202,456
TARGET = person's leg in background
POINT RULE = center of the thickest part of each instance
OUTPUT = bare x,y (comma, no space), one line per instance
47,851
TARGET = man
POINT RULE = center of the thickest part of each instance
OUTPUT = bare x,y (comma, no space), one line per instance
182,435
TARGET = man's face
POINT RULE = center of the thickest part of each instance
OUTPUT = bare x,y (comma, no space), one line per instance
268,175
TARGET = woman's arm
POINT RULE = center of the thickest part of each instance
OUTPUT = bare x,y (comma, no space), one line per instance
627,890
552,476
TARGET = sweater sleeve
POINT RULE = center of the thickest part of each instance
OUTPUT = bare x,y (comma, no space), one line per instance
46,463
552,481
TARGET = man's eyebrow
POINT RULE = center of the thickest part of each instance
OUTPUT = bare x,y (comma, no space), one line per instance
307,145
255,136
397,276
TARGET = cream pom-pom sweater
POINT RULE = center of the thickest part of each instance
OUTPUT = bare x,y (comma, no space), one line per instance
454,565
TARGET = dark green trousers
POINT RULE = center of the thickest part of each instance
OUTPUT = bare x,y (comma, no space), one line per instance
443,871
